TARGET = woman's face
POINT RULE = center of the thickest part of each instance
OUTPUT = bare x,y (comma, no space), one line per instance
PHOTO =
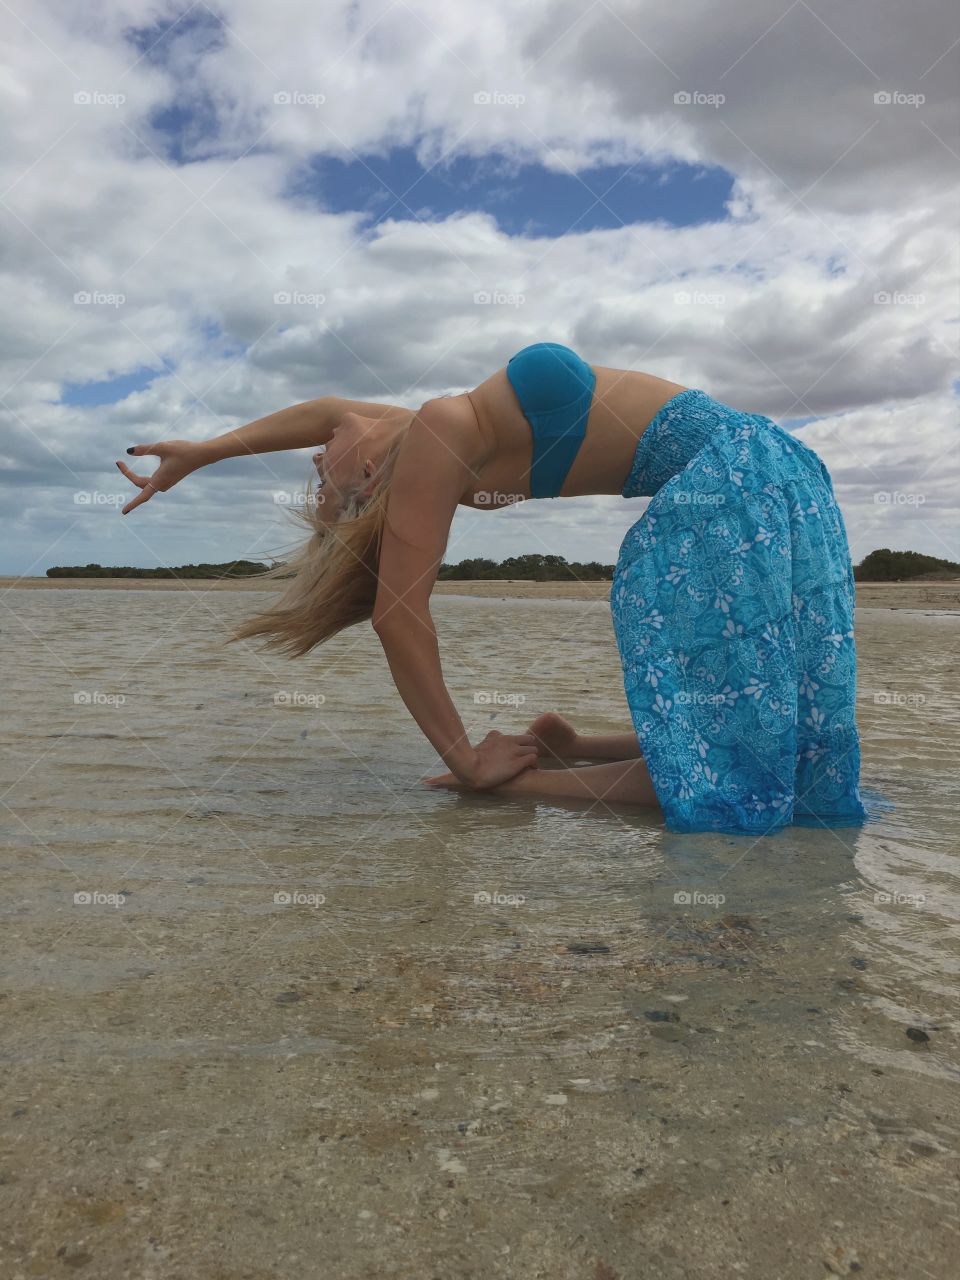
340,464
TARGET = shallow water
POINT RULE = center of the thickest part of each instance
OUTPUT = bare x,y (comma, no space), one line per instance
470,1037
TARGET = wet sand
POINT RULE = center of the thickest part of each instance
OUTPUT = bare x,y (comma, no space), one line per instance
871,595
308,1018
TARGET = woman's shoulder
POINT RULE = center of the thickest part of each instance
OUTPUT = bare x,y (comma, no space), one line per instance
456,423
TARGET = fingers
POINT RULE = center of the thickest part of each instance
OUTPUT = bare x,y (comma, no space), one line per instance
132,475
145,494
138,449
146,484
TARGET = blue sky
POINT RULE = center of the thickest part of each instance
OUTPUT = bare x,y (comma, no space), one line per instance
109,390
525,199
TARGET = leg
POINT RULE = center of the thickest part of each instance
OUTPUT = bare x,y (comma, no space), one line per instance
558,739
620,782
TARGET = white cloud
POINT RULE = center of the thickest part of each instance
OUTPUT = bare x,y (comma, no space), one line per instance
837,199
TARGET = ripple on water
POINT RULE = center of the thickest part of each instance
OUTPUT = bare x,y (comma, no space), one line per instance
495,933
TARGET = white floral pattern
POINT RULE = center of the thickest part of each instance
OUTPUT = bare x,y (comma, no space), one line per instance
733,607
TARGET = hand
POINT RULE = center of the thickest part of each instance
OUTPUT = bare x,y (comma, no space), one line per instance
177,459
498,758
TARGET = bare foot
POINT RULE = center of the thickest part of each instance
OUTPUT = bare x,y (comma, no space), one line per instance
556,737
443,780
616,782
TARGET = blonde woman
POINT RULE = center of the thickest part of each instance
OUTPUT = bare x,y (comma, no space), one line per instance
732,597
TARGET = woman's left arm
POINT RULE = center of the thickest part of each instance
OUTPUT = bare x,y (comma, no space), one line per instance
432,471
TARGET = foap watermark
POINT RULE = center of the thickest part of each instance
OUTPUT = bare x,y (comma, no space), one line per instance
94,498
497,98
899,899
497,899
94,898
890,698
698,298
297,698
898,298
684,698
694,898
494,498
96,698
697,98
297,298
297,98
496,698
298,898
291,498
897,98
683,499
98,298
898,498
498,298
97,98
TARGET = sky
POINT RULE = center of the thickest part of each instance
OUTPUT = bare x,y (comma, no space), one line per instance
212,211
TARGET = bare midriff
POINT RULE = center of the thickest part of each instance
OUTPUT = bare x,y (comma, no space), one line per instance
624,403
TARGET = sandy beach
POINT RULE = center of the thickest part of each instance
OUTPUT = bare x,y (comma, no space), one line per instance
274,1009
870,595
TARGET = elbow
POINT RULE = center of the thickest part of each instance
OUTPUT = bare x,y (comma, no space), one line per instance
380,623
387,622
400,623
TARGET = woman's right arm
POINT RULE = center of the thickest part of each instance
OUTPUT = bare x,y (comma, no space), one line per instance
300,426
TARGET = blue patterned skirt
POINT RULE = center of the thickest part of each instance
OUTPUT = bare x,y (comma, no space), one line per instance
733,605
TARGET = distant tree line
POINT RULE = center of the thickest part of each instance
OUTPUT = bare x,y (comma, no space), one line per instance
879,566
231,569
894,566
531,568
535,568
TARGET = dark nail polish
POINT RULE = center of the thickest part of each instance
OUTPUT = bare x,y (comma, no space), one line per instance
130,450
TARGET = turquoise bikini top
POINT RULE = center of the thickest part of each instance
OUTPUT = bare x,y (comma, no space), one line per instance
555,390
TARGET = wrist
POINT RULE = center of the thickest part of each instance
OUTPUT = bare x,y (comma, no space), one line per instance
463,762
208,451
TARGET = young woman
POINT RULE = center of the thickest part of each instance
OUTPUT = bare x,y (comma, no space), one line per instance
732,598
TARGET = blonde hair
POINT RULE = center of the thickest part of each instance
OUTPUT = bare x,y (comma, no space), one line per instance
334,573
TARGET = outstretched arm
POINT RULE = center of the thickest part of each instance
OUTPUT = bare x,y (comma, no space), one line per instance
434,467
300,426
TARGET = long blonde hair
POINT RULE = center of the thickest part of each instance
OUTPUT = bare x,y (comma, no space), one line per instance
334,573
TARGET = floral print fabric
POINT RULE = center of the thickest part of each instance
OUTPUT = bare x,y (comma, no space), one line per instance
732,604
